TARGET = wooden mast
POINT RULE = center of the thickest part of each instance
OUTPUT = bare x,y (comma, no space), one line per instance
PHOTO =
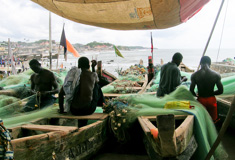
50,50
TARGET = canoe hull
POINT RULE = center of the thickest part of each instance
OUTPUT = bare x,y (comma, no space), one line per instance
57,141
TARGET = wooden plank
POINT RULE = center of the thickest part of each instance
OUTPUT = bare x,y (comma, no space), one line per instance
117,95
153,118
31,139
137,88
146,125
151,93
82,144
184,133
49,128
9,92
94,116
144,85
223,101
166,128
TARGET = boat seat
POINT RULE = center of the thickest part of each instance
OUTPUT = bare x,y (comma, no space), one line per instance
94,116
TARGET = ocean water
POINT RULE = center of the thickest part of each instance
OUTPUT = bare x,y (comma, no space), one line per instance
111,62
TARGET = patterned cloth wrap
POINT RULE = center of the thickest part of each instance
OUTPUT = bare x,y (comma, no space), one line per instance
70,82
6,150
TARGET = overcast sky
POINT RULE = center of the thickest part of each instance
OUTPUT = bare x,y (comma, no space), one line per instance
24,20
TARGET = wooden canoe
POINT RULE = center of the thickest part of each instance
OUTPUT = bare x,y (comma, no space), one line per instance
184,68
223,106
175,138
59,138
109,76
139,90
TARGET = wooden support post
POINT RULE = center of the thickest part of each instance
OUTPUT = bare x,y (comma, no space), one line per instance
99,68
166,128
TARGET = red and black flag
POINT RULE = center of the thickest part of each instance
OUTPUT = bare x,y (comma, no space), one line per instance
63,43
151,43
67,46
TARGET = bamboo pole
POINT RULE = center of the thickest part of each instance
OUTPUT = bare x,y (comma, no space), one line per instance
50,50
222,130
58,54
208,41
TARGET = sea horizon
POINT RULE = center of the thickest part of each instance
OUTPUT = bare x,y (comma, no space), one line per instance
111,62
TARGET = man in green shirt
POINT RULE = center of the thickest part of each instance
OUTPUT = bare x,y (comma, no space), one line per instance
170,76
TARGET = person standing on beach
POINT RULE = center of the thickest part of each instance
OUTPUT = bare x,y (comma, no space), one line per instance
87,93
170,76
44,85
205,79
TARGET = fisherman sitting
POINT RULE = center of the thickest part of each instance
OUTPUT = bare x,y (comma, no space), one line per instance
81,90
44,85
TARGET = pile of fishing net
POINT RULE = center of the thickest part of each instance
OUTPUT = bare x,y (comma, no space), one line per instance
14,81
6,100
134,70
125,110
23,79
127,81
122,86
229,61
17,89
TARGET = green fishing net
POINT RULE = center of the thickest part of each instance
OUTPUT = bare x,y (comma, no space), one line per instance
229,85
23,79
14,108
6,100
134,70
26,118
16,80
125,110
132,77
127,81
123,87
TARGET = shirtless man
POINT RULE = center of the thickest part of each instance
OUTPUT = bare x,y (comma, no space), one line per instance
170,77
206,79
44,85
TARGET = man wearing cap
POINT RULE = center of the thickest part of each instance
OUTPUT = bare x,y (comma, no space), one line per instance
44,85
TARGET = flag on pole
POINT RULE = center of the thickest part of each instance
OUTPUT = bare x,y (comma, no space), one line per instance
118,53
151,43
67,46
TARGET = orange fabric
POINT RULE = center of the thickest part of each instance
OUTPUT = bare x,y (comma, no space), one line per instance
71,49
211,106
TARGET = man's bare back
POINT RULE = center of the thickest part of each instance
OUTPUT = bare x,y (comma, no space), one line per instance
43,81
205,79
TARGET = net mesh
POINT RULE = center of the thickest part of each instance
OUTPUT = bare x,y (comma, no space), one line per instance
125,110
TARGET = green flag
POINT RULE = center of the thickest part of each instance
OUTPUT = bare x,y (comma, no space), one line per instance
117,52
